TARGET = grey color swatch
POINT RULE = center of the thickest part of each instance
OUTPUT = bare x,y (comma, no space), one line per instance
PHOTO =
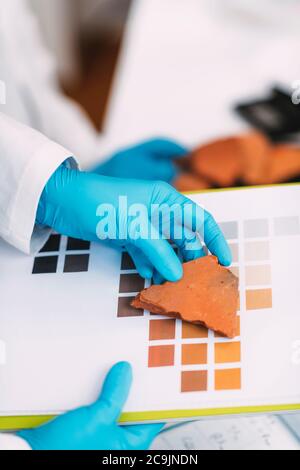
256,228
230,230
285,226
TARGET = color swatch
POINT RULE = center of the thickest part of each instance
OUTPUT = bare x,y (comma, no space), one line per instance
194,381
162,329
131,283
256,228
257,251
259,299
230,230
76,263
190,331
125,310
258,275
161,356
192,354
228,379
127,263
45,265
286,226
235,251
52,245
78,245
227,352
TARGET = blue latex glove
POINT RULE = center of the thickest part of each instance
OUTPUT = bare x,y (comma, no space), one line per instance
69,205
152,160
95,427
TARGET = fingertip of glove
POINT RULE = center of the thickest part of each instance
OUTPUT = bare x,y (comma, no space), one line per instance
176,273
225,256
123,367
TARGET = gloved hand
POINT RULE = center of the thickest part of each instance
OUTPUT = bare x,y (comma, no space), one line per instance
152,160
78,204
95,427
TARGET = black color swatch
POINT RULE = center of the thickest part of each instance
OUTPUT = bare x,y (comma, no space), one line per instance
77,245
45,265
127,263
53,244
76,263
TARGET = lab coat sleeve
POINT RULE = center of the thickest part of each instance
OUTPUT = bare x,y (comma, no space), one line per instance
11,442
27,161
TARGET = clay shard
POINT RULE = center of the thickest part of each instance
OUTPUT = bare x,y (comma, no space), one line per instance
227,161
284,165
219,161
255,148
207,295
190,182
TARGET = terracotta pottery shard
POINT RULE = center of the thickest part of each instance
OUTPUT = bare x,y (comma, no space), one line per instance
284,165
190,182
219,161
226,161
207,294
256,157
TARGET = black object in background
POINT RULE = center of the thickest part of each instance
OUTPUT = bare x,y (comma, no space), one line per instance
277,116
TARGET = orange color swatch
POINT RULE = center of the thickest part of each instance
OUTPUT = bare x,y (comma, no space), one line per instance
228,379
259,299
227,352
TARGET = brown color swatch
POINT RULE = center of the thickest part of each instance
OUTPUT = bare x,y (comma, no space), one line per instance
207,294
193,354
125,308
131,283
194,381
162,329
190,331
228,379
161,356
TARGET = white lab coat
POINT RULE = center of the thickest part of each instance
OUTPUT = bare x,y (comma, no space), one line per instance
39,129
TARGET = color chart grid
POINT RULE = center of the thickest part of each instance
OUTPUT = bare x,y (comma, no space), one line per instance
207,361
62,255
